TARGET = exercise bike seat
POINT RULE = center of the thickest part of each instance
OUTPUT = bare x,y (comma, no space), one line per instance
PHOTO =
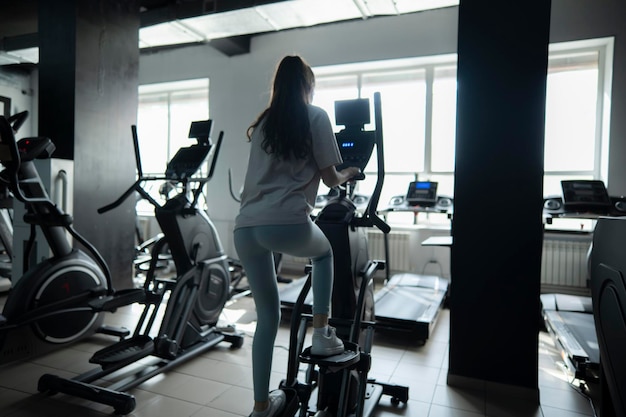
347,358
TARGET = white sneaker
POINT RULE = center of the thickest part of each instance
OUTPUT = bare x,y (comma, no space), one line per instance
326,344
277,400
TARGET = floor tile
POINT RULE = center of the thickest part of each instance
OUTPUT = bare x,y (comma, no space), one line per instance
437,410
565,399
218,383
236,400
161,406
462,399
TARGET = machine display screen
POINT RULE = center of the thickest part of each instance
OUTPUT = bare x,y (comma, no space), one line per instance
422,193
585,194
355,148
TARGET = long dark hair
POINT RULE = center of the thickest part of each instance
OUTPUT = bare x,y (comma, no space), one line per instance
286,130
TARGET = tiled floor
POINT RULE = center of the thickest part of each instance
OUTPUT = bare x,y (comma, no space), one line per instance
218,383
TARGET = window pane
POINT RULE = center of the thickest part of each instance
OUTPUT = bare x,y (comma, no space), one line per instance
152,128
331,89
445,184
182,113
394,185
552,183
403,102
444,120
571,99
165,113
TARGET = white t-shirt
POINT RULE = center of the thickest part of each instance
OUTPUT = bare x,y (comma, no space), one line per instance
283,191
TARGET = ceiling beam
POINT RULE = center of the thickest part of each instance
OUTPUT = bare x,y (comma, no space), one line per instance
12,43
235,45
192,8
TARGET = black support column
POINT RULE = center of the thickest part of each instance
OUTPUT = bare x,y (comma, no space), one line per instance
497,228
88,77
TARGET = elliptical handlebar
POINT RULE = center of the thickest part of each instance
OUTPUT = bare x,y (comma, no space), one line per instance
178,169
17,120
136,187
372,206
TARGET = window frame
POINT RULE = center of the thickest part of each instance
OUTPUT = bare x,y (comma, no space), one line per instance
603,46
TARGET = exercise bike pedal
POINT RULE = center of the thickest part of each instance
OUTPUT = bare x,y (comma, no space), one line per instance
349,357
128,350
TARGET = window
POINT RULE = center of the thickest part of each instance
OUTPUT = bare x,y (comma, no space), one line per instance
419,115
572,94
164,116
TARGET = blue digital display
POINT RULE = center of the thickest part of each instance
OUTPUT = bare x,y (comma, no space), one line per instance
422,185
347,144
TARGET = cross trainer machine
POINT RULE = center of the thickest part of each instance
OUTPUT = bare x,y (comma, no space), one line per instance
339,384
49,306
192,300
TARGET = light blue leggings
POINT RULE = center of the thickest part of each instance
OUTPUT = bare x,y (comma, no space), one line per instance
255,246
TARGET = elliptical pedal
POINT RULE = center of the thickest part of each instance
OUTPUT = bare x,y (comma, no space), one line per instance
349,357
128,350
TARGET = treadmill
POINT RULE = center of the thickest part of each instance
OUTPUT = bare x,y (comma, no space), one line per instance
410,304
569,318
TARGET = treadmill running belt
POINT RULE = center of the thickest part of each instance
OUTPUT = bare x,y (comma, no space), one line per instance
405,305
581,325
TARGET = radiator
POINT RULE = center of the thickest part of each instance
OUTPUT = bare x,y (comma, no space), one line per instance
564,260
399,249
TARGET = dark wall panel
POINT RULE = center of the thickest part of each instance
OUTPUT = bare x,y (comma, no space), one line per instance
89,58
497,229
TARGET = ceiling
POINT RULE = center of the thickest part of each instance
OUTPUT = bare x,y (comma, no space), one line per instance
228,25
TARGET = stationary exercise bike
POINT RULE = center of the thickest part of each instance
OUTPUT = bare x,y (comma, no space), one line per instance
339,385
193,299
49,306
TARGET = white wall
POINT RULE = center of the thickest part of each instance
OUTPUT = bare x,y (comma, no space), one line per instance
239,86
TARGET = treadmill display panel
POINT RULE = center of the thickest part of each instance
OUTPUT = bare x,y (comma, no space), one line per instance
422,193
585,195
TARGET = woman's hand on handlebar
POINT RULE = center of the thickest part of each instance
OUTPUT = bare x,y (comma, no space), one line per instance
332,177
352,173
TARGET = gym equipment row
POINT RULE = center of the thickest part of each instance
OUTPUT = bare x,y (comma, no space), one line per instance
63,299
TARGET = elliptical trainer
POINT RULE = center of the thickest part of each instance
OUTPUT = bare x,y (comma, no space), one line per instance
193,299
340,383
49,306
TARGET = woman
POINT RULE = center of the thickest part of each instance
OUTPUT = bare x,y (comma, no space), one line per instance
292,147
